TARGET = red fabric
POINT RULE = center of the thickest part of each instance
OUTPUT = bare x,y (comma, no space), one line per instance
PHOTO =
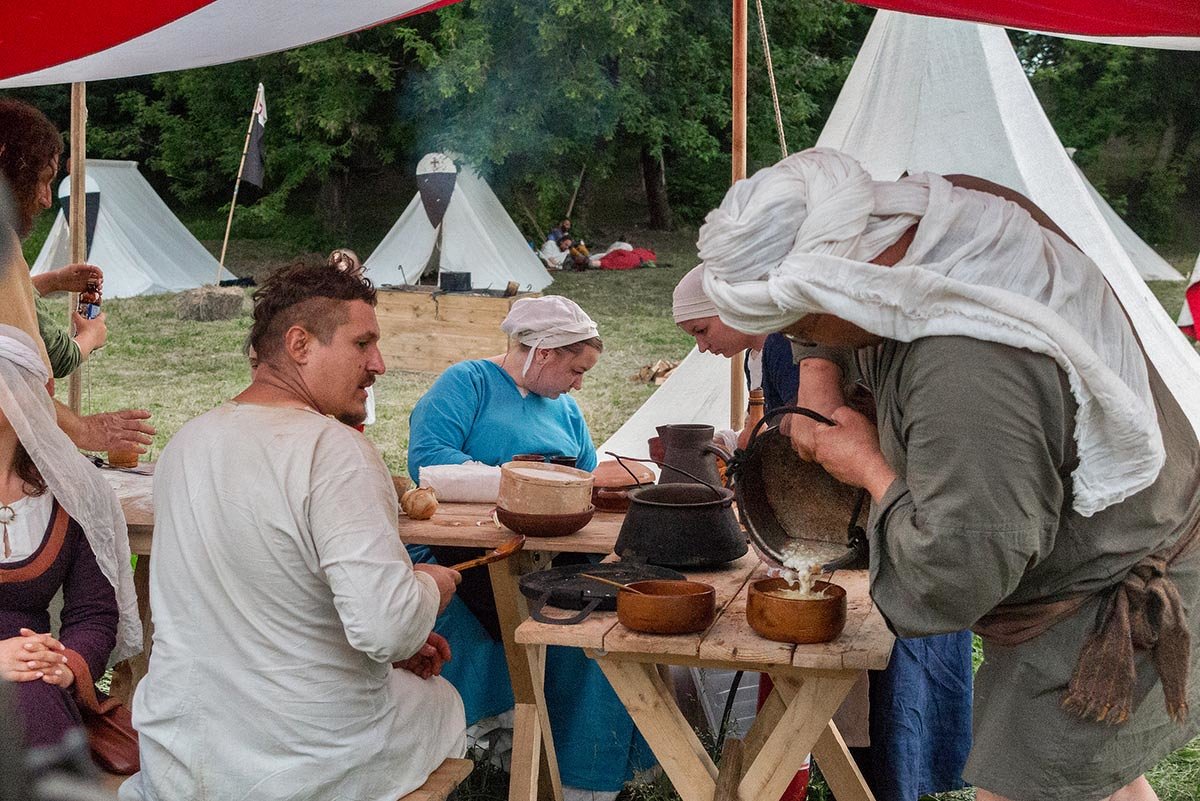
626,259
1082,17
37,35
41,34
1192,298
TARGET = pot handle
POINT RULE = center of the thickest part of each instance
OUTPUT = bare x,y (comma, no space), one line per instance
535,612
779,412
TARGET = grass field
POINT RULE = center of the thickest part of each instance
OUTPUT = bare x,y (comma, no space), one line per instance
179,369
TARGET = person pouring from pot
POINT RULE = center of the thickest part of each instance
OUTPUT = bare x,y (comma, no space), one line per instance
919,720
487,411
1032,477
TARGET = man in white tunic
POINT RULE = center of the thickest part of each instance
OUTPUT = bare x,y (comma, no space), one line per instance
281,592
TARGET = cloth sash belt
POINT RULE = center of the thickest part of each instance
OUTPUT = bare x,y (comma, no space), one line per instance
1143,612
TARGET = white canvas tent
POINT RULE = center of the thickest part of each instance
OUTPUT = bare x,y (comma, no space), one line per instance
142,247
478,238
945,96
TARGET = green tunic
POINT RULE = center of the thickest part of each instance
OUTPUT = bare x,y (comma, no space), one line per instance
981,437
62,349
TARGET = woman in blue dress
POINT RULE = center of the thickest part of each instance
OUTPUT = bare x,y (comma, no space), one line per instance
487,411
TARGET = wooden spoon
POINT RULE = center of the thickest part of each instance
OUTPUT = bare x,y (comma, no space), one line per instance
503,551
613,583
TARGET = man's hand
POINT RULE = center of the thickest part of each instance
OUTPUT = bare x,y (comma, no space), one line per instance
447,580
849,451
429,659
72,278
820,390
116,431
89,334
30,656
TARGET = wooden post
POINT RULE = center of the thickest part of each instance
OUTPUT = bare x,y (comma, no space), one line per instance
737,384
236,185
78,218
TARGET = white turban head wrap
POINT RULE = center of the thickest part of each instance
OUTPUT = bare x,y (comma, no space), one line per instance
73,481
689,302
798,238
547,322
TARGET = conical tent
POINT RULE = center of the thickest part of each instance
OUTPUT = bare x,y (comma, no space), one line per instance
142,247
478,237
951,97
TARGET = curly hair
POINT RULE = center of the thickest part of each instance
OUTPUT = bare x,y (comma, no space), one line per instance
28,142
304,294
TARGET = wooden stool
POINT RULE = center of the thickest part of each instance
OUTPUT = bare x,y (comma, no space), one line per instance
442,781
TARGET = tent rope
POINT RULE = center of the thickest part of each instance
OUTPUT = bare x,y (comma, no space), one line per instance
762,31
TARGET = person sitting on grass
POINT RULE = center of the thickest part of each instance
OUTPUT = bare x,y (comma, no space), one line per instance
62,530
294,654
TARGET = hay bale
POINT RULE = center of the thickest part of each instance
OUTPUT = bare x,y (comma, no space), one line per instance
209,303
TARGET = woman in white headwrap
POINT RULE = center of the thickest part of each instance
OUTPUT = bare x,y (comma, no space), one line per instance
61,528
489,410
1032,476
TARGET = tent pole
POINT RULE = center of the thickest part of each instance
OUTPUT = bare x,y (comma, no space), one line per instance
78,221
737,385
236,184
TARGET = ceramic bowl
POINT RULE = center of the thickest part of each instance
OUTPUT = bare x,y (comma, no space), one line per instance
533,525
792,620
667,607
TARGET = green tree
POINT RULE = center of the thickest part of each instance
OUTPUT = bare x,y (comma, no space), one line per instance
1134,116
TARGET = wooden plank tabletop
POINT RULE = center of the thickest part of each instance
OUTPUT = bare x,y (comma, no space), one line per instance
462,524
864,644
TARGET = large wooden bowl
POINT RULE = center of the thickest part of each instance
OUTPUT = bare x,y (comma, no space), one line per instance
793,620
667,607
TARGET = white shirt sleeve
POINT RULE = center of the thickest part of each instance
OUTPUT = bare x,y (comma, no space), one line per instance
386,608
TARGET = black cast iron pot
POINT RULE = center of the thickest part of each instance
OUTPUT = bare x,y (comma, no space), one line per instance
681,525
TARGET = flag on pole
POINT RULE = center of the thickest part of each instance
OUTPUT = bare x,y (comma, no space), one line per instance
253,171
1190,312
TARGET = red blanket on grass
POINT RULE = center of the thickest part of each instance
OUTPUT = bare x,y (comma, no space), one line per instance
626,259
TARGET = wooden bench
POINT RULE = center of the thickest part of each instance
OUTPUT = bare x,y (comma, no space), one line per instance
437,787
442,781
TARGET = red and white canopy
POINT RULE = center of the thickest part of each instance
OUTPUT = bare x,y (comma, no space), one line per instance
85,40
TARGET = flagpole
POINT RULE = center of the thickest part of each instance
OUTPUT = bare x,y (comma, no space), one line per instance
236,184
737,385
78,219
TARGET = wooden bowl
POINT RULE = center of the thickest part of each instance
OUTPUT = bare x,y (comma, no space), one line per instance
792,620
559,525
667,607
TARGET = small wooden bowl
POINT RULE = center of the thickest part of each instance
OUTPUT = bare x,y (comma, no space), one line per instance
792,620
544,525
667,607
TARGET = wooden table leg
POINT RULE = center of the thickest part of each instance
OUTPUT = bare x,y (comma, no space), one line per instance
764,723
652,707
127,674
534,765
811,701
839,768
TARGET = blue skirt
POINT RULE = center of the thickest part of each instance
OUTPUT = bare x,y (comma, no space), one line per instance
598,746
920,718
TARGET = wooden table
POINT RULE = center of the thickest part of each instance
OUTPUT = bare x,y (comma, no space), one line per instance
534,766
810,683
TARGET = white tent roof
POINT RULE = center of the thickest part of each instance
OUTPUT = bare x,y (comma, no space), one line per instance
944,96
478,238
951,97
697,391
142,247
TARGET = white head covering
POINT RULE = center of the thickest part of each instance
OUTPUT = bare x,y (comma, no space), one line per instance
689,302
73,481
796,239
547,322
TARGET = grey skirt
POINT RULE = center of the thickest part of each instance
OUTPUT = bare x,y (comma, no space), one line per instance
1027,748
